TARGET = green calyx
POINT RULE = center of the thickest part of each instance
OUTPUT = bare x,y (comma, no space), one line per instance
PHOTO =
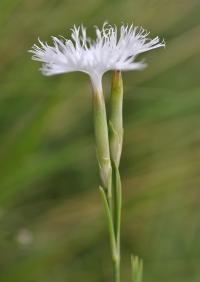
101,136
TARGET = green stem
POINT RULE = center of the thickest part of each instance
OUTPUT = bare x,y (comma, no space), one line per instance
117,219
117,204
114,239
109,147
113,215
116,268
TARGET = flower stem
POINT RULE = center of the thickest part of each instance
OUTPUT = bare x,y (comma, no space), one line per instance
114,237
109,147
116,268
116,220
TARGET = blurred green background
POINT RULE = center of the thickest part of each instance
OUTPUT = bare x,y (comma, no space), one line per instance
52,225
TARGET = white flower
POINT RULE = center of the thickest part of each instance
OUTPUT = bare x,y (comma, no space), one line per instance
112,50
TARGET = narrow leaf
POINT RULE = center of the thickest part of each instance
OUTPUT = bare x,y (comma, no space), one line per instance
110,222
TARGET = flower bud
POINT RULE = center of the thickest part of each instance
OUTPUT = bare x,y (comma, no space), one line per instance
116,118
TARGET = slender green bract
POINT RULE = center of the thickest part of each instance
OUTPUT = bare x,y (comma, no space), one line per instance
109,139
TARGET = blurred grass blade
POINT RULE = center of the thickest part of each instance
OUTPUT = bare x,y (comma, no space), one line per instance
137,269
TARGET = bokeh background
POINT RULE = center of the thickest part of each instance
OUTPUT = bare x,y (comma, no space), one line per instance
52,225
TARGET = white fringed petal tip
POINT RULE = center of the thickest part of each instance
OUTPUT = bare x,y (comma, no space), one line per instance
112,50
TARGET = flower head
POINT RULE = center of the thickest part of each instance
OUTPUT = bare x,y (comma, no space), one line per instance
112,50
